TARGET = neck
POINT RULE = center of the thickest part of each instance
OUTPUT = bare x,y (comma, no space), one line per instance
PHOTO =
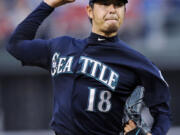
105,34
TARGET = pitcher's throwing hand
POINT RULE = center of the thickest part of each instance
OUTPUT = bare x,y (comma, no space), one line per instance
57,3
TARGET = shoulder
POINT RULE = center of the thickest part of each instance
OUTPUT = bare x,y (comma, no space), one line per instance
128,49
67,44
138,56
131,51
65,39
61,39
141,62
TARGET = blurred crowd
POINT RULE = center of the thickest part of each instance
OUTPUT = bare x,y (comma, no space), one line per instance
144,18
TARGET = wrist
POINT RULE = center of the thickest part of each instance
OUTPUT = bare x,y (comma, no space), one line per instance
50,3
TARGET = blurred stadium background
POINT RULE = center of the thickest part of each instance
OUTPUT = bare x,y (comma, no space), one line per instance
151,26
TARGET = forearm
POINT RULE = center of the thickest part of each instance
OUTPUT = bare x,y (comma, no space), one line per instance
27,29
161,126
162,121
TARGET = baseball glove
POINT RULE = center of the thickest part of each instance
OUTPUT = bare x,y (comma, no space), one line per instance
136,110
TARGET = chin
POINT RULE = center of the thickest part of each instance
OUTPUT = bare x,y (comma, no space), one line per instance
111,28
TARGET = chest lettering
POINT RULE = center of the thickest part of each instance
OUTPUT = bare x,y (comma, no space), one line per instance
106,76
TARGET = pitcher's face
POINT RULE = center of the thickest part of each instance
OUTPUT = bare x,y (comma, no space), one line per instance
107,15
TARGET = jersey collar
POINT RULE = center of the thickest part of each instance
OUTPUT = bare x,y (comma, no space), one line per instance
99,38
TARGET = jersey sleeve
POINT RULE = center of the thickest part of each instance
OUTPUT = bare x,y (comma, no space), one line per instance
23,46
157,97
162,116
32,52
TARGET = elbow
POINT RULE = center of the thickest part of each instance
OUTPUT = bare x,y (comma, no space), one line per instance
11,45
12,49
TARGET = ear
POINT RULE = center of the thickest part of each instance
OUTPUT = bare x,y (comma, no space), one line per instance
89,11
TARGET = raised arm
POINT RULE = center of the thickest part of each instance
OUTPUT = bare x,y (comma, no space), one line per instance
22,44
